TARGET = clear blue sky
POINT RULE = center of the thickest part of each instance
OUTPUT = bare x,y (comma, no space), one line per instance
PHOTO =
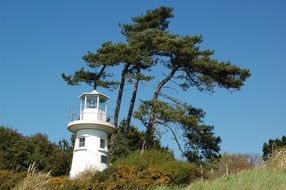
41,39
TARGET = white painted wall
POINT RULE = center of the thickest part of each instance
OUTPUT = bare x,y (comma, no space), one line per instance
89,156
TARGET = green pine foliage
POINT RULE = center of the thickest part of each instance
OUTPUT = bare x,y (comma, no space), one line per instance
118,147
200,143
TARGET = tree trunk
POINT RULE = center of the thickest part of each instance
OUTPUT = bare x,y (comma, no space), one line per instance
149,135
97,77
132,102
120,92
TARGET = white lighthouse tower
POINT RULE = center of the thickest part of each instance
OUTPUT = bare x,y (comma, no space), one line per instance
91,132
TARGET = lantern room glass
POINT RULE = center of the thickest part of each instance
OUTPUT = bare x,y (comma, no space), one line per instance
91,102
102,104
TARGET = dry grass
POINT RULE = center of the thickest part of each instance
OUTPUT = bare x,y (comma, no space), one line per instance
34,180
264,176
278,160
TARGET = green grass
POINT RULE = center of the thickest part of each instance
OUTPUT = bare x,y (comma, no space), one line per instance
258,179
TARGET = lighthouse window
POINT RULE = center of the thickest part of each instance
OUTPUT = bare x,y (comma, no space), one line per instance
104,159
102,143
91,101
81,142
102,104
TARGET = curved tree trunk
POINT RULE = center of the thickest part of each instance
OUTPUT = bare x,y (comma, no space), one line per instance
132,102
120,92
97,77
149,135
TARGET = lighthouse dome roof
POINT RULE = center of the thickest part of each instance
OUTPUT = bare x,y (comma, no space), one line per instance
94,92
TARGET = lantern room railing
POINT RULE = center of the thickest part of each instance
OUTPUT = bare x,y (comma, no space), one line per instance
74,116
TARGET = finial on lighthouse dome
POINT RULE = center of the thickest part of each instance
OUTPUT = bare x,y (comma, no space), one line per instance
91,131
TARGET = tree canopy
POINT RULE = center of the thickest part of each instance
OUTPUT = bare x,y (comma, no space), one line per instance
149,45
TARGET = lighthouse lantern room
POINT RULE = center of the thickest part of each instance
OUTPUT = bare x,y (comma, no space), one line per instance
91,132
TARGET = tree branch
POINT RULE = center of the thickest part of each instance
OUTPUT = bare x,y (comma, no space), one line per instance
175,137
176,101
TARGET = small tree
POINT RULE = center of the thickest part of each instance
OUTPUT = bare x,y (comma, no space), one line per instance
195,140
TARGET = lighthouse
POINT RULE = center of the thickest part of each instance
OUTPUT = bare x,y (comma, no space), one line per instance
91,134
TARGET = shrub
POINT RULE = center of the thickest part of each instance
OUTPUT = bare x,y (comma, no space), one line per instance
130,177
9,179
84,179
181,172
152,168
17,152
149,157
57,183
135,172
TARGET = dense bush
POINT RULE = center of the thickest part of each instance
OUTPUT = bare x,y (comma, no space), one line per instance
147,171
9,179
155,167
181,172
150,169
17,152
149,157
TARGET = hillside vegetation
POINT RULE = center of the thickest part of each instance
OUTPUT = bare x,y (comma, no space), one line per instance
268,176
155,168
147,171
258,179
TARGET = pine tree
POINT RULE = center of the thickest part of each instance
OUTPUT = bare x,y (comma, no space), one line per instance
188,66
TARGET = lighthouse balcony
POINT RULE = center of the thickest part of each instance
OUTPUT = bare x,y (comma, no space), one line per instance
90,115
91,124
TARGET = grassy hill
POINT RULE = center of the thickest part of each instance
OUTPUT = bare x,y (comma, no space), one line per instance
258,179
268,176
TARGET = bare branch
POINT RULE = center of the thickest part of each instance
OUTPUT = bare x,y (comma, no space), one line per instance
175,137
176,101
